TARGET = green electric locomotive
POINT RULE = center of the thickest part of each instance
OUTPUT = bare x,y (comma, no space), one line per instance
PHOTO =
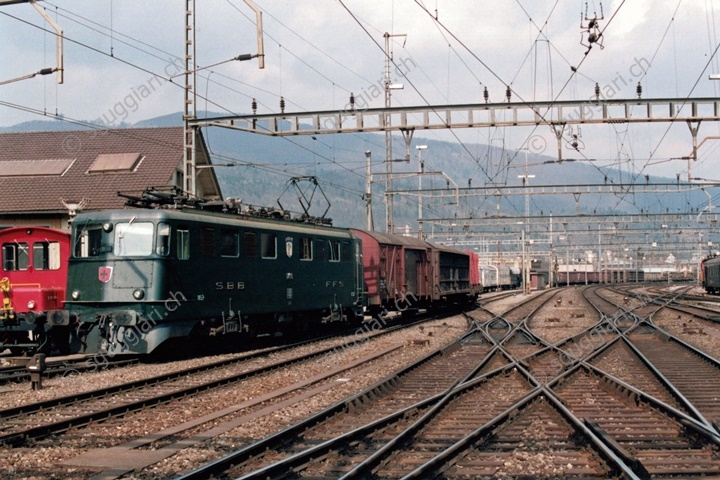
140,277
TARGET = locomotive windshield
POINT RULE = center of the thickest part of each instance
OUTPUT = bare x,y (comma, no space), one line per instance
124,239
133,239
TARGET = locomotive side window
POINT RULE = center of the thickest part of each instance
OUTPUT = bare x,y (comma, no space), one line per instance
229,244
46,255
133,239
162,246
334,250
346,252
183,244
306,248
320,250
88,241
16,256
207,242
249,245
268,245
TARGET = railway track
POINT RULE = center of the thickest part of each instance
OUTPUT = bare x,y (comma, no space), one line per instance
529,407
387,405
618,398
21,424
64,368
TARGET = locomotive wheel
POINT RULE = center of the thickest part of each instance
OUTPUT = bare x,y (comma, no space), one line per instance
60,339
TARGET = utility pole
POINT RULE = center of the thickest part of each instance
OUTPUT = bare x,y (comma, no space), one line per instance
420,148
526,225
190,111
389,200
368,192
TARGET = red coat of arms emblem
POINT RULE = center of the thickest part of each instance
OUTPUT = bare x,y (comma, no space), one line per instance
104,274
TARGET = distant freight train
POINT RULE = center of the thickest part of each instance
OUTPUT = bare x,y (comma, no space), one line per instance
500,277
139,277
608,276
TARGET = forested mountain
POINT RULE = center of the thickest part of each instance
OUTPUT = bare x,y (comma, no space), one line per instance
264,165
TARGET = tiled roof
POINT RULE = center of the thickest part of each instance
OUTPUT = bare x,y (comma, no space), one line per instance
161,151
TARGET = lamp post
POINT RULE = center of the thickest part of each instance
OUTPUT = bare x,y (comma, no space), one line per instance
526,226
368,192
420,148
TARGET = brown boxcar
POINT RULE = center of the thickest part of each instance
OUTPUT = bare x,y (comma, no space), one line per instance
396,268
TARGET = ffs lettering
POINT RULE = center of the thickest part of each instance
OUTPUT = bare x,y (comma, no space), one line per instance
334,283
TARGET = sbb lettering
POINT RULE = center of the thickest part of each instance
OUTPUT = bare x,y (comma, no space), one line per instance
229,285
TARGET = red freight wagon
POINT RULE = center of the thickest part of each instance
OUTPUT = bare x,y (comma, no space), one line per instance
396,269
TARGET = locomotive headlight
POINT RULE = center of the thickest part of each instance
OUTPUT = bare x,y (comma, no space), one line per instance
138,294
31,304
75,295
107,227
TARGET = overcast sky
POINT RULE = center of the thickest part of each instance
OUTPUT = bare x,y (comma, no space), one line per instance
119,55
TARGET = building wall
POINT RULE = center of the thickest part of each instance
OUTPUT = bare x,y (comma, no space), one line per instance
58,221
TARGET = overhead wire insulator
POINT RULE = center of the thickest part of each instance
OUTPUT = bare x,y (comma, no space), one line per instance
508,93
486,95
352,101
597,91
254,106
282,104
639,90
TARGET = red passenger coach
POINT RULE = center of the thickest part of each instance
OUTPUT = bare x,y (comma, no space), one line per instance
33,278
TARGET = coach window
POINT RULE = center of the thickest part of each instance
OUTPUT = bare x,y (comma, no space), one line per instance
268,245
183,243
306,248
229,245
334,251
162,244
133,239
46,255
15,256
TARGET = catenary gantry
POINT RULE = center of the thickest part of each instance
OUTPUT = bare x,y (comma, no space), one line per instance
555,114
475,115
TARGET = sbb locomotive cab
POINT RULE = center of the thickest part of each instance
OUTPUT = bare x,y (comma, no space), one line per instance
140,277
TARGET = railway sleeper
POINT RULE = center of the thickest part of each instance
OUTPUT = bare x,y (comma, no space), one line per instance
359,403
624,394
